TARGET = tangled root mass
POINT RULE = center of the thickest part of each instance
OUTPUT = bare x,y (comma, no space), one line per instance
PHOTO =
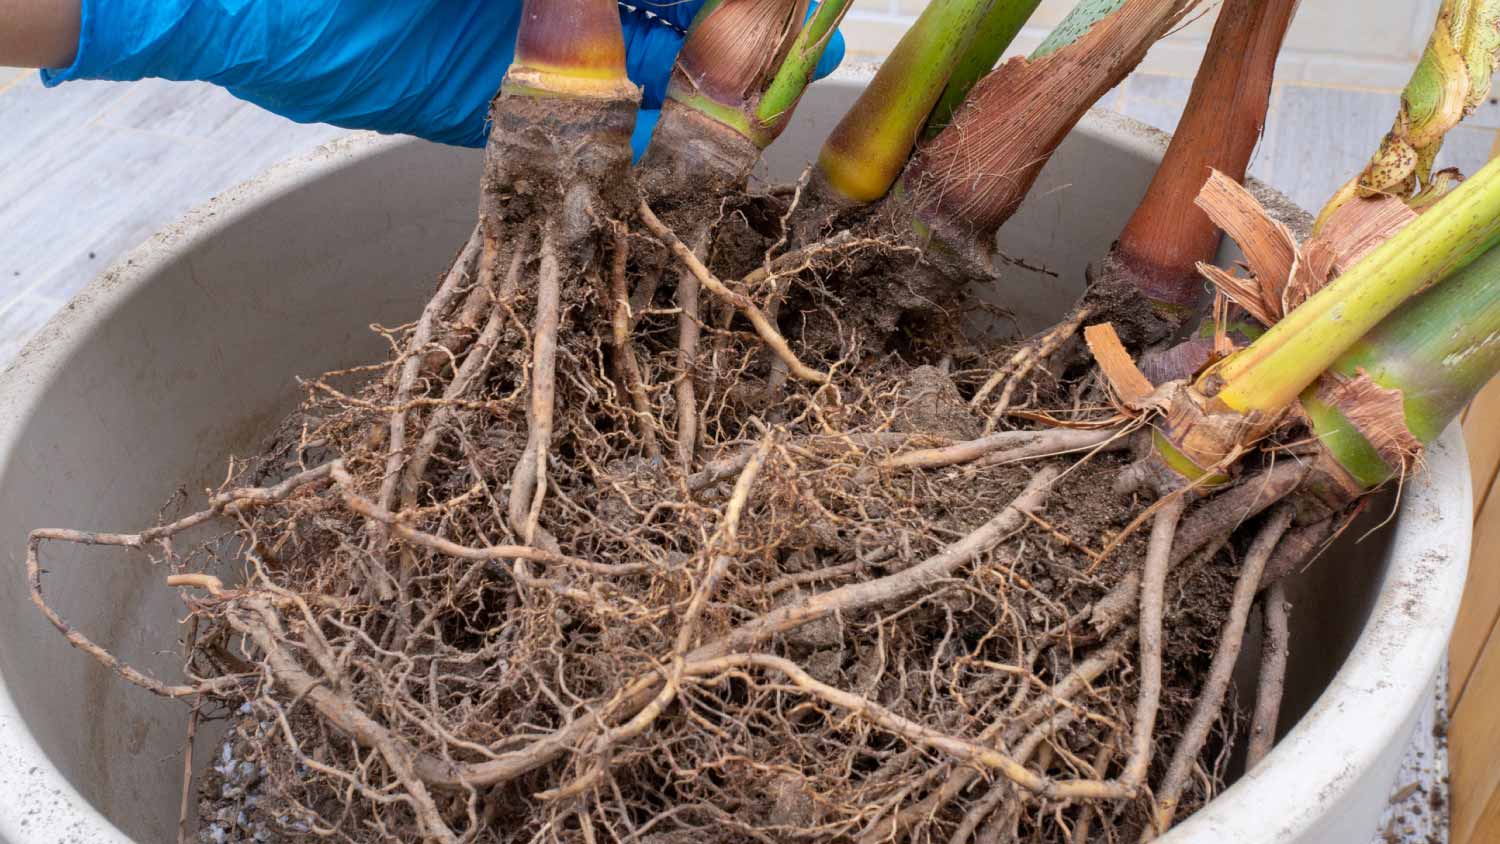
506,587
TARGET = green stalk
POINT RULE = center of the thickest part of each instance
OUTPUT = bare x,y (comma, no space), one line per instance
1071,28
1450,80
796,70
865,153
1270,374
995,33
1438,350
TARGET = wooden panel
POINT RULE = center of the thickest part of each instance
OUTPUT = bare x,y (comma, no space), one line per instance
1487,822
1480,607
1481,604
1482,434
1474,652
1473,739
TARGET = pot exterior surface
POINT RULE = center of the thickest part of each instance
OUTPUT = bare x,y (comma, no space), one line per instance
186,352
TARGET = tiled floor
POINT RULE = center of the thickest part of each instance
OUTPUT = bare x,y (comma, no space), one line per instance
88,170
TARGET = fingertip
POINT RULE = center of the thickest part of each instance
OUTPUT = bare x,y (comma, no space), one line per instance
645,124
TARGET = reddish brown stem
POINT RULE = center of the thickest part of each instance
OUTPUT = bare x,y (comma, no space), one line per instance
973,175
1168,234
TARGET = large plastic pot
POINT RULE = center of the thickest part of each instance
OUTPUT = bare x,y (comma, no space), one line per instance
185,353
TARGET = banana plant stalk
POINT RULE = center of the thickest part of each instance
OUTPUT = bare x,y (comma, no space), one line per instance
1168,235
864,154
995,34
569,48
1437,352
1451,79
1282,362
1244,396
743,67
969,179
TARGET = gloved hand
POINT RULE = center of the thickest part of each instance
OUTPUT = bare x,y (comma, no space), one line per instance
419,67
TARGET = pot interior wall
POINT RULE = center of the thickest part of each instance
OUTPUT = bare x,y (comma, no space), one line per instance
199,363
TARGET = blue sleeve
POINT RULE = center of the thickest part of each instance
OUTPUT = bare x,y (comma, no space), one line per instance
428,67
422,67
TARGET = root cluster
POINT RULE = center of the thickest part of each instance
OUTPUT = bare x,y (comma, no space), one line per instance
642,534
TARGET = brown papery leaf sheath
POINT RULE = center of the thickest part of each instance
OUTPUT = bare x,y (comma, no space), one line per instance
726,57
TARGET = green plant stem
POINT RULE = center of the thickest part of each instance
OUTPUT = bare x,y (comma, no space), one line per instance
999,28
796,70
1450,80
1439,350
1071,28
864,154
1278,366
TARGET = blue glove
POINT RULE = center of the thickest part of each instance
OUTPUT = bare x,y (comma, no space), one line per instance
422,67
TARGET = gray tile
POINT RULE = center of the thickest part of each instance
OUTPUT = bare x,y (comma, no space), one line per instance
1322,137
10,75
31,115
186,109
1111,99
89,170
19,321
1154,99
1467,148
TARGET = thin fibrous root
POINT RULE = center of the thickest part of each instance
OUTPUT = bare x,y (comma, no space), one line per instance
367,508
229,502
258,622
475,363
1008,446
1007,730
884,718
845,599
477,262
768,333
1275,648
1031,353
1153,587
411,366
1211,698
720,552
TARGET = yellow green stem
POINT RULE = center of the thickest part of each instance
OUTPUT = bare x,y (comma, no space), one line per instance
1439,350
864,154
999,28
797,68
1278,366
